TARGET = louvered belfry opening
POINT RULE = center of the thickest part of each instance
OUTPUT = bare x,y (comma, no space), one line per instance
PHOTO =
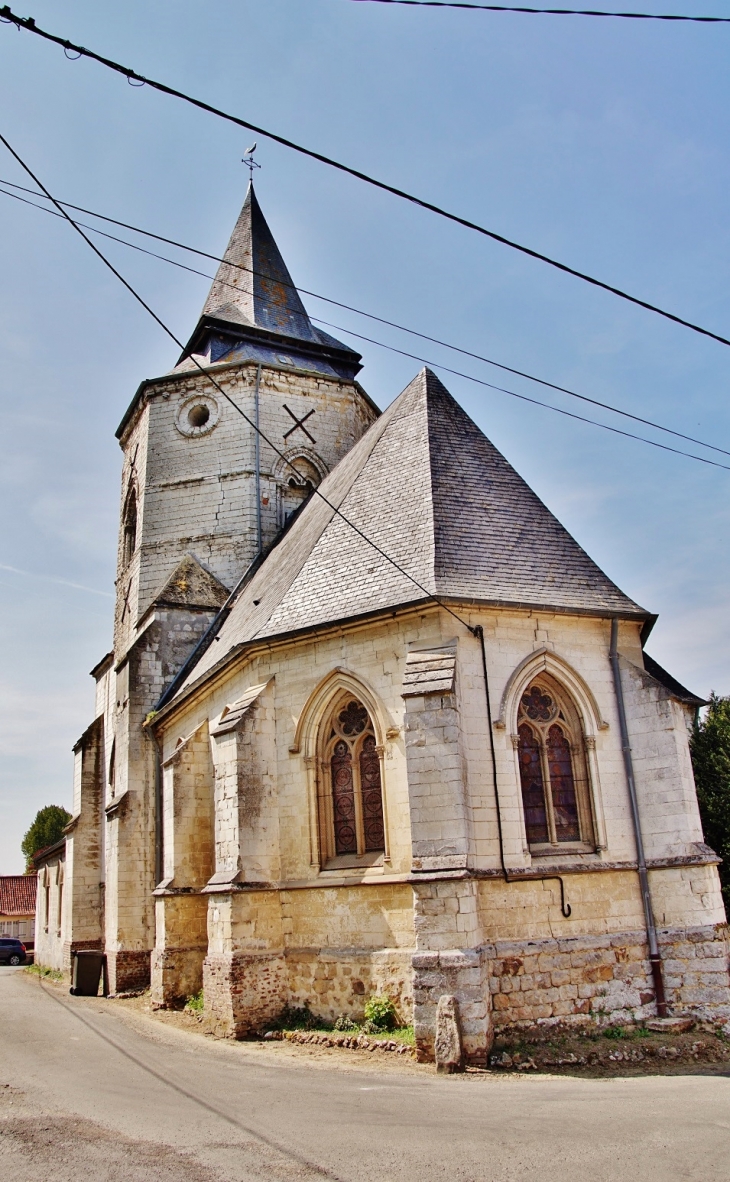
353,825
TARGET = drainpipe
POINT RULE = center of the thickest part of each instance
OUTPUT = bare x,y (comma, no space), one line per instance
654,957
258,461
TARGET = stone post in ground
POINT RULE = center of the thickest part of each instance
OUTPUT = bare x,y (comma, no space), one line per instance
446,914
448,1046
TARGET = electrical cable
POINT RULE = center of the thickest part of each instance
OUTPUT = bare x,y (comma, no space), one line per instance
29,25
636,16
524,397
206,374
370,316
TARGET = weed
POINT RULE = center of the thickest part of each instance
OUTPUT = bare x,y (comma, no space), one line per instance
196,1003
380,1015
41,970
346,1024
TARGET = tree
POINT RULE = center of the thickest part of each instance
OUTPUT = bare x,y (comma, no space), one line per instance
710,746
46,830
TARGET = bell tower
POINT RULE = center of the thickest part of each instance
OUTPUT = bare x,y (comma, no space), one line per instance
202,496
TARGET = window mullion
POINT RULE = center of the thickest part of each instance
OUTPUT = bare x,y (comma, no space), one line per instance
548,790
357,785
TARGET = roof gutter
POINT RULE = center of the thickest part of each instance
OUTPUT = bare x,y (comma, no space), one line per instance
654,956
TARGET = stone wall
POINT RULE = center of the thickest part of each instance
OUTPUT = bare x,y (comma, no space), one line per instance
607,979
197,490
462,974
334,981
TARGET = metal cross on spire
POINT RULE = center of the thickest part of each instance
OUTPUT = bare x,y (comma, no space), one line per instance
249,161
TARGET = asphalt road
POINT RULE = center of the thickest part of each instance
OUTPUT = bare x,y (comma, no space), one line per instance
87,1090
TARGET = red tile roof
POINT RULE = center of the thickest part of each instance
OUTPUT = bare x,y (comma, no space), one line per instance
17,894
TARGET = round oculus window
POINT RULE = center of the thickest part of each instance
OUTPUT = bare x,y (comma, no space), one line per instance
197,415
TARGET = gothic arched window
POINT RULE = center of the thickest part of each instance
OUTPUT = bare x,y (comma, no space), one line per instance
300,478
553,771
351,818
129,527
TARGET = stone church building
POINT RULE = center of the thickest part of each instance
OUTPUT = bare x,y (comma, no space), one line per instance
397,735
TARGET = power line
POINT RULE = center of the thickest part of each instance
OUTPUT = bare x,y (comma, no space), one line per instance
206,374
28,23
635,16
370,316
524,397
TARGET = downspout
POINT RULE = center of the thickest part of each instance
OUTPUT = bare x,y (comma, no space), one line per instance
258,460
654,957
566,909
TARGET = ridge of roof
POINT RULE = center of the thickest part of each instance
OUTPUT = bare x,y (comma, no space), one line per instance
435,496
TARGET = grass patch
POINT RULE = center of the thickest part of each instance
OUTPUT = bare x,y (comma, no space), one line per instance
40,970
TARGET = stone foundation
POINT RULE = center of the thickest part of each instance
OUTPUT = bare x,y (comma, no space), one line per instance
177,960
243,991
128,970
464,975
176,975
246,990
334,981
607,978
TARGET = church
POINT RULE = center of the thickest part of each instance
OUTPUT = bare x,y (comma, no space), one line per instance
373,721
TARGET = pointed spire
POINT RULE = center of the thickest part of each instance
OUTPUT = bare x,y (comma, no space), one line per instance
253,286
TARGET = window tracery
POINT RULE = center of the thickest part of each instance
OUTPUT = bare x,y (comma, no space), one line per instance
553,771
351,821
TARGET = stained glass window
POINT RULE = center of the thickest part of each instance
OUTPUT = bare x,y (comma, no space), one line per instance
372,796
343,794
552,769
357,794
533,791
562,785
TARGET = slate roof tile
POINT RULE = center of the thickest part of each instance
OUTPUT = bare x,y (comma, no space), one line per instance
17,894
430,490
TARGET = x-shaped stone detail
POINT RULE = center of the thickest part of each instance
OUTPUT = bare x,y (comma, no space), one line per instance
299,423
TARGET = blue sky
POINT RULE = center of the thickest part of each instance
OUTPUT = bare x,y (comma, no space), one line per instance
602,143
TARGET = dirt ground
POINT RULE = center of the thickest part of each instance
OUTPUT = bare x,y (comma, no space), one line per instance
622,1051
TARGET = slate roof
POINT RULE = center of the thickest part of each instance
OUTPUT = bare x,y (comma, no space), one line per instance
17,894
254,290
430,490
674,687
253,313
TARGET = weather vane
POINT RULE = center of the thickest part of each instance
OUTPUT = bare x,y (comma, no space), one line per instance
249,161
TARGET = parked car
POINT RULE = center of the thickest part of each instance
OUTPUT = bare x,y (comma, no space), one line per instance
11,951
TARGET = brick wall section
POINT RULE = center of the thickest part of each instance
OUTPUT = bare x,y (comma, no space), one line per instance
243,991
128,970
